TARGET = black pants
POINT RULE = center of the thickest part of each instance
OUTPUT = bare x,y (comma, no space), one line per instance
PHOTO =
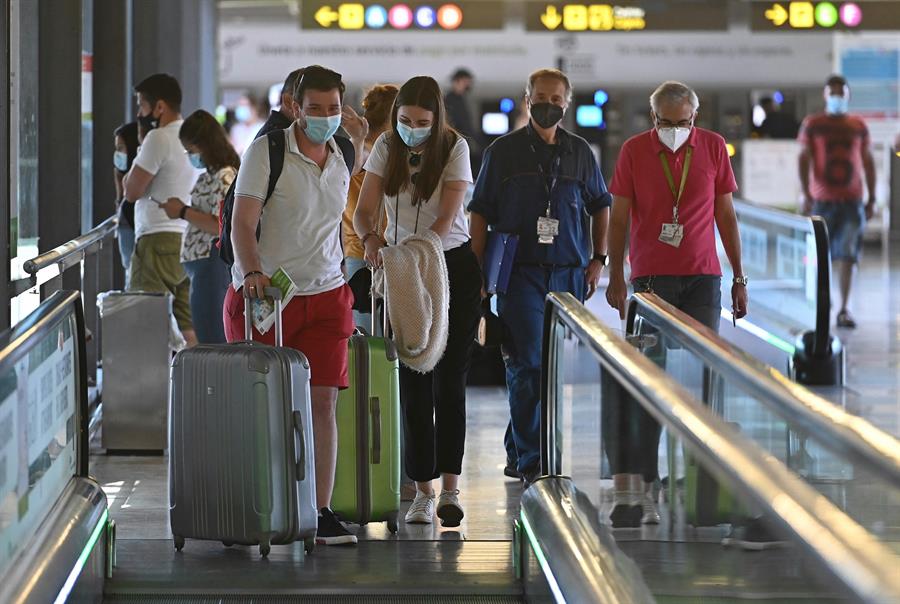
434,403
630,434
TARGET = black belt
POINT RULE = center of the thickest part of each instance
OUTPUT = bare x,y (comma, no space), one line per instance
457,251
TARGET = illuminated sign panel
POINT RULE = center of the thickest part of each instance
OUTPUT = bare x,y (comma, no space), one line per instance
402,16
805,15
626,16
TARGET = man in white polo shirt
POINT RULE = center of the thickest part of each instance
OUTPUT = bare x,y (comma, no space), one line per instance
300,233
161,170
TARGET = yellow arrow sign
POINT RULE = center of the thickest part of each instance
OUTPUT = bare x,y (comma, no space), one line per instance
777,15
551,18
326,16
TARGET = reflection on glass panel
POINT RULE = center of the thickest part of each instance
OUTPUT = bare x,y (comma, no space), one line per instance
38,424
604,437
871,501
23,134
780,258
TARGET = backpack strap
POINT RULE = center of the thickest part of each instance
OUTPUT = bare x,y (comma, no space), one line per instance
347,151
276,160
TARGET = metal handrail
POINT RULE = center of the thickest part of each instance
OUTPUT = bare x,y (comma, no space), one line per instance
578,557
838,430
864,565
773,215
63,254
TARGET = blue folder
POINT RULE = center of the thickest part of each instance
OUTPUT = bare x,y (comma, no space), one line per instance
499,255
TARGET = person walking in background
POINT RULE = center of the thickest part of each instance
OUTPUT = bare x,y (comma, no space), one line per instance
834,158
161,170
777,124
377,105
248,120
208,149
541,184
126,142
419,170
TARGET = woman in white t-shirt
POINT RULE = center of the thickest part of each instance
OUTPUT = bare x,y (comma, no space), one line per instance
419,171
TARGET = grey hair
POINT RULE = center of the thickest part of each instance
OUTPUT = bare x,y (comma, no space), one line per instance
672,92
555,74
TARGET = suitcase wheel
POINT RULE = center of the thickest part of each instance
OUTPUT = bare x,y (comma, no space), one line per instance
264,548
228,543
179,543
309,544
393,524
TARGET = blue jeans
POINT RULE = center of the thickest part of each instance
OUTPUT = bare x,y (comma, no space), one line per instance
846,221
125,237
521,309
210,279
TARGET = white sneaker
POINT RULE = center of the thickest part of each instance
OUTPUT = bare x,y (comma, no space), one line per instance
448,508
421,511
651,513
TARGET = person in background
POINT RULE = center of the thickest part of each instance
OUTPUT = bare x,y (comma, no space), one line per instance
459,115
835,155
377,103
208,149
126,141
541,183
248,121
299,233
161,170
419,170
777,124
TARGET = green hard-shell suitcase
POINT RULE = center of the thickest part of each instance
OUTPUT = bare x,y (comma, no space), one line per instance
367,479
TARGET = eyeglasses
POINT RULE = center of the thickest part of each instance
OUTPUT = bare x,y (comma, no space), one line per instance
415,159
681,124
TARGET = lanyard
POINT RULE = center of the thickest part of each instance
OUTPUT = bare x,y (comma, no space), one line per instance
684,174
549,184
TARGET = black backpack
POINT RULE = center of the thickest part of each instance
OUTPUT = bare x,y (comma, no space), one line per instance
276,164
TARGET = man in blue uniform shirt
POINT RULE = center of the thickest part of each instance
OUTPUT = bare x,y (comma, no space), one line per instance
542,184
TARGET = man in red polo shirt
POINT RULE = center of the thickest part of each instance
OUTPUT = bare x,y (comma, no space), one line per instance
835,155
675,184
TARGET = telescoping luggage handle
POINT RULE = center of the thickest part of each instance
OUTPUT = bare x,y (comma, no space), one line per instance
384,314
275,294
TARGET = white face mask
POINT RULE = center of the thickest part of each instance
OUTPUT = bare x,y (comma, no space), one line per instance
673,137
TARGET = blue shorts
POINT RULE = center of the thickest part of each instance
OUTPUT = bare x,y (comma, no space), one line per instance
846,221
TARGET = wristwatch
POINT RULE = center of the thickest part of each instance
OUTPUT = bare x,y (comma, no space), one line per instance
742,280
601,258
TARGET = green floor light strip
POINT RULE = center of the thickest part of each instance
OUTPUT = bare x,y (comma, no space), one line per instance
82,560
542,560
762,334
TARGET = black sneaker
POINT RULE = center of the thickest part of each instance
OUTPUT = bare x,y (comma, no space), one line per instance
331,531
754,536
512,470
626,516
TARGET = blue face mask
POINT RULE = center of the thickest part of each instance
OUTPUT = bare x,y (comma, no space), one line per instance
120,161
837,105
242,113
320,129
196,161
413,137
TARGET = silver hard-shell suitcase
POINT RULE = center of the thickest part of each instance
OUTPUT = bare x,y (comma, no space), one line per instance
241,456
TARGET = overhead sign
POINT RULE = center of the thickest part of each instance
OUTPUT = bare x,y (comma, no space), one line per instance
402,16
627,16
818,16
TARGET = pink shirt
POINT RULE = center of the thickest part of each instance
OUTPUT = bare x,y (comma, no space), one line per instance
639,176
837,144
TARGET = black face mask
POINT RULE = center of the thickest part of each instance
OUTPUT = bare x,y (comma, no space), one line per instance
546,115
147,122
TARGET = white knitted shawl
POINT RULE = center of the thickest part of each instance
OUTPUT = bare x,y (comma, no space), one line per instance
416,289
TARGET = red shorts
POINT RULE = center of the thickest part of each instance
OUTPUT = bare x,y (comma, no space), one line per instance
318,326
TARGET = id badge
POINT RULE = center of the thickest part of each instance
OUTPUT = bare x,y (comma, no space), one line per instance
672,233
547,229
